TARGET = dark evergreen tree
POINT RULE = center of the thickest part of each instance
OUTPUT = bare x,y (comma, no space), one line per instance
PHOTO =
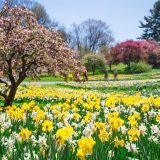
151,26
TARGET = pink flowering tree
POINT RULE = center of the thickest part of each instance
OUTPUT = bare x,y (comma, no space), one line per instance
151,49
127,52
28,49
134,51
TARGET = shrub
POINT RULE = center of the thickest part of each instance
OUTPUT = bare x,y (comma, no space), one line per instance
94,62
121,68
139,67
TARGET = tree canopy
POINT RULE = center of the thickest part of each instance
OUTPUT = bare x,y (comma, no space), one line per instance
93,62
90,35
134,51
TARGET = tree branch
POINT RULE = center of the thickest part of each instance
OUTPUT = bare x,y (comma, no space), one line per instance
3,95
10,73
4,82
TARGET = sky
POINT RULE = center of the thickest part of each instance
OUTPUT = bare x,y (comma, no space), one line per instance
122,16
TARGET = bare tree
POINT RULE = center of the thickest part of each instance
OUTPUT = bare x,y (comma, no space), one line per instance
13,3
38,9
91,35
74,37
42,15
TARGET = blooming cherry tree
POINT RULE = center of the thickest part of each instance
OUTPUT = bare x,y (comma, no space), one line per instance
28,49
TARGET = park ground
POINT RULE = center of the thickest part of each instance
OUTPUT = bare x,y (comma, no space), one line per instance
99,119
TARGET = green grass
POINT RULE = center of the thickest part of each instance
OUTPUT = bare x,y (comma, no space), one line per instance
153,74
45,78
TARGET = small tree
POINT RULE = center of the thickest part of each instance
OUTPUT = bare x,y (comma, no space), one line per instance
93,62
127,52
27,49
107,54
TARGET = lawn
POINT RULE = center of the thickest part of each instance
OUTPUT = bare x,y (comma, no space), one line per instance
153,74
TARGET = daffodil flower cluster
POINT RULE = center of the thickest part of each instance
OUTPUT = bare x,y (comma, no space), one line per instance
81,125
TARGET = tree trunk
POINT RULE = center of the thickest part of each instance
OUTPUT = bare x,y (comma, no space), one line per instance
129,67
110,67
93,72
93,69
9,99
